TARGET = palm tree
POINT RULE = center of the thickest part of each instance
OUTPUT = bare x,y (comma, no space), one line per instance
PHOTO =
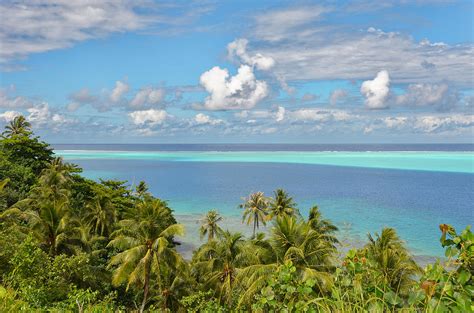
141,189
46,210
292,240
50,222
209,225
217,263
145,239
322,226
296,241
174,284
255,210
101,214
55,181
392,259
19,125
282,204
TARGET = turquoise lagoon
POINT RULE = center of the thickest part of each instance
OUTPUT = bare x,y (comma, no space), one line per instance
462,162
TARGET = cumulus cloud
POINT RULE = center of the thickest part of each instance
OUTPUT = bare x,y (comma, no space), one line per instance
119,91
337,95
148,117
238,48
39,114
393,122
376,91
242,91
148,95
203,119
251,116
42,116
280,114
8,116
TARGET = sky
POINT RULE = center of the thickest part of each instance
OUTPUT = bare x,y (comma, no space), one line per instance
143,71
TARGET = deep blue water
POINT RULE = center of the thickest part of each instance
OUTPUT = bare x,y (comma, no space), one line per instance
359,200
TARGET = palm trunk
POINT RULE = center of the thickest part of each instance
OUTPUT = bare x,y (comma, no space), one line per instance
211,235
254,225
146,286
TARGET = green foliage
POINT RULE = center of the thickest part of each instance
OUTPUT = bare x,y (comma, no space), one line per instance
34,276
25,150
285,291
202,302
20,179
451,287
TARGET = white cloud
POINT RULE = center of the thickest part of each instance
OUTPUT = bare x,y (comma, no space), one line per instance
280,114
242,91
304,48
253,115
238,48
337,95
393,122
433,123
151,117
147,95
202,119
319,115
119,90
39,114
9,115
42,117
146,132
37,26
376,91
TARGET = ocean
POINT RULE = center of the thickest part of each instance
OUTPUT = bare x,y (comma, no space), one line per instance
361,188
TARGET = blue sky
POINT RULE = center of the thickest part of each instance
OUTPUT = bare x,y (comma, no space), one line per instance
239,71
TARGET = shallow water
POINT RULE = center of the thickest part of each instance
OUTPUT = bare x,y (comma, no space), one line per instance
360,191
462,162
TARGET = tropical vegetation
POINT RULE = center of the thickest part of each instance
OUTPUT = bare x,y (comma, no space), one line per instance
71,244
